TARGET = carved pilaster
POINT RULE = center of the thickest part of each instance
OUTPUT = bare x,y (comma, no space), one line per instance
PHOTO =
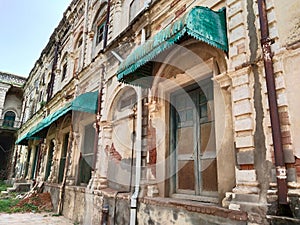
53,170
73,140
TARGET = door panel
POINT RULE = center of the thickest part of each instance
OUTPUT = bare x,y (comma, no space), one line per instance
186,176
194,143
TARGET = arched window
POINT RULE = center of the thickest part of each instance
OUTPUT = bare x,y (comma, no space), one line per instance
136,6
99,26
9,119
78,54
64,67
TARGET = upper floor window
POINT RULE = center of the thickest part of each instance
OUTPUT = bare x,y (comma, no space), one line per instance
9,119
99,26
78,54
64,67
64,71
79,42
100,33
136,6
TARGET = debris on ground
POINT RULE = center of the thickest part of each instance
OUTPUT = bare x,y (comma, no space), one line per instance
36,202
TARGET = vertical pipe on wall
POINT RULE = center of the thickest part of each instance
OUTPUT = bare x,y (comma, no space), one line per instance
272,99
138,156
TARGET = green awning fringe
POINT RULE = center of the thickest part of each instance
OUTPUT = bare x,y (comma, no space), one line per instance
87,102
200,23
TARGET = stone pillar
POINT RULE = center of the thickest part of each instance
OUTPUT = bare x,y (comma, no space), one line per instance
105,139
41,165
53,171
71,170
3,90
154,132
251,170
33,150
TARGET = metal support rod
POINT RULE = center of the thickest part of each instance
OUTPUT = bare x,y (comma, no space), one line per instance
272,99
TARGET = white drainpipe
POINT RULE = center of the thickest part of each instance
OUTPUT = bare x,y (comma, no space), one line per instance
133,205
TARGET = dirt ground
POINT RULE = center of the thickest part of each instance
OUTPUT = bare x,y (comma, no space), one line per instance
33,219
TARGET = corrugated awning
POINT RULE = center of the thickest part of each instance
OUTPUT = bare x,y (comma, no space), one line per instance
200,23
86,102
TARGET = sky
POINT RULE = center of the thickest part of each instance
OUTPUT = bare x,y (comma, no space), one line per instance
25,29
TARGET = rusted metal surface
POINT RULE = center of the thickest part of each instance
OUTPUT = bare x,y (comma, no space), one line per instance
272,99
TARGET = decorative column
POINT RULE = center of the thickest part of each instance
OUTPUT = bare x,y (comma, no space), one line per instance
71,170
53,175
41,165
154,129
105,140
3,90
31,163
117,18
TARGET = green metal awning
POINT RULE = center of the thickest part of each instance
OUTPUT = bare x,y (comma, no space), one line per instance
23,140
86,102
200,23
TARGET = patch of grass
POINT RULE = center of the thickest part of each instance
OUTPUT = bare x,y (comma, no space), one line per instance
7,204
27,207
3,186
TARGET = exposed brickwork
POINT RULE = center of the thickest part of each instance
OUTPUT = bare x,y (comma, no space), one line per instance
197,207
152,148
297,166
286,137
180,11
174,3
284,118
113,153
246,167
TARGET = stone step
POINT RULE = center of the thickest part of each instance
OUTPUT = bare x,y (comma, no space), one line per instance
22,187
11,189
4,192
281,220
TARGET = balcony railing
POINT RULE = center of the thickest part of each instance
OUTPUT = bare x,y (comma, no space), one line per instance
9,124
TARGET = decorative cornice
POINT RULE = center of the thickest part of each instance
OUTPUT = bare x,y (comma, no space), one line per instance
12,79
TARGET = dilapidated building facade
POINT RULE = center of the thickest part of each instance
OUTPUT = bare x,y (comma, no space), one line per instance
11,96
174,112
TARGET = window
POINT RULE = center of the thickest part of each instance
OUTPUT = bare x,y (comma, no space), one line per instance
136,6
79,42
87,155
78,54
64,71
99,28
128,102
100,33
124,102
193,141
9,119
